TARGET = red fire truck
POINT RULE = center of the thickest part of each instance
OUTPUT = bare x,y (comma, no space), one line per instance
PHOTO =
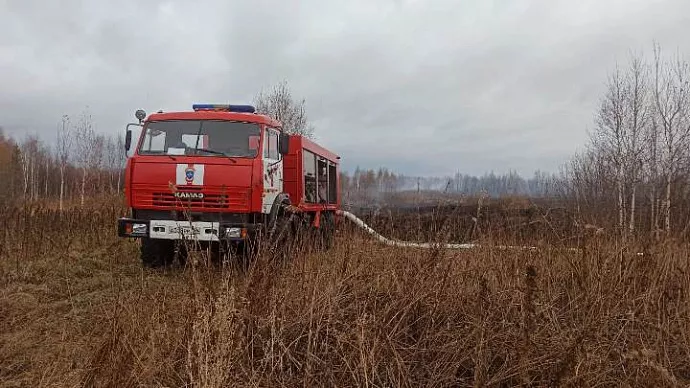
223,175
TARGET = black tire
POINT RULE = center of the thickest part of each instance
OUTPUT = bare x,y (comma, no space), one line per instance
235,253
180,252
156,253
250,247
247,252
327,230
281,238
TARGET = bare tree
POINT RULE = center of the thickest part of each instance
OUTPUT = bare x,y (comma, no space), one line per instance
122,160
651,169
279,104
84,139
610,133
639,111
96,160
63,148
29,154
619,135
112,160
6,166
671,98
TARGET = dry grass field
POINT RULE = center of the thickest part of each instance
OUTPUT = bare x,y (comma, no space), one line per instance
77,309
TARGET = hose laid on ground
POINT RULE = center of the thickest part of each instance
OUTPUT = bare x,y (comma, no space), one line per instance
390,242
406,244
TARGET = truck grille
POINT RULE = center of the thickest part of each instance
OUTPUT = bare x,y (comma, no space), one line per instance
210,201
213,198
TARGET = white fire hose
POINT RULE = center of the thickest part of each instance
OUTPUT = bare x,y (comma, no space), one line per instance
406,244
386,241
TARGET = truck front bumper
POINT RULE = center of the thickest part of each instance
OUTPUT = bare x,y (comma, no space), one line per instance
187,230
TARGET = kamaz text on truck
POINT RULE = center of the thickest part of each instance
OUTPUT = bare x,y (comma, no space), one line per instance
222,175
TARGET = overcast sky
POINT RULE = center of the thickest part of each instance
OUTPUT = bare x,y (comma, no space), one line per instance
421,87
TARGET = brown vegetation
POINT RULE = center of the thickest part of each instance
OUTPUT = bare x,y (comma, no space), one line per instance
77,309
510,220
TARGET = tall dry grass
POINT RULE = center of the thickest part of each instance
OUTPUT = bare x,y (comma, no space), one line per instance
508,220
77,309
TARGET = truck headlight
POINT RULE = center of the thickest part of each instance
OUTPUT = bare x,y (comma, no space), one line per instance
233,232
139,228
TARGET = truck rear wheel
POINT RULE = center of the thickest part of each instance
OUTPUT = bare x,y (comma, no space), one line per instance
327,230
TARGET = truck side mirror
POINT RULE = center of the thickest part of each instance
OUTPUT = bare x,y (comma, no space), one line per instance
128,140
128,136
284,144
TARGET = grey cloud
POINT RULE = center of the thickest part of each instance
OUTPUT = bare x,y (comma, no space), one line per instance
422,87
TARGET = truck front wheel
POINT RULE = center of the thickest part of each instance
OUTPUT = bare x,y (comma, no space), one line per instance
155,253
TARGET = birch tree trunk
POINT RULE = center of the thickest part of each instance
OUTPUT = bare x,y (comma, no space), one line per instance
632,208
652,214
45,194
667,210
83,185
62,187
621,214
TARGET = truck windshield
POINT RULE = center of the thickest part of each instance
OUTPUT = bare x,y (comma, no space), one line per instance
201,137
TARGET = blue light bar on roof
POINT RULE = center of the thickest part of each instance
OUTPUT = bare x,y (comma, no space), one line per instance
225,108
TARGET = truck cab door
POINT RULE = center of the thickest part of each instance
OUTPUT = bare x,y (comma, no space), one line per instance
272,169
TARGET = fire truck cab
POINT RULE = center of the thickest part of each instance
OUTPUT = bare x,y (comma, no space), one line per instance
222,174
